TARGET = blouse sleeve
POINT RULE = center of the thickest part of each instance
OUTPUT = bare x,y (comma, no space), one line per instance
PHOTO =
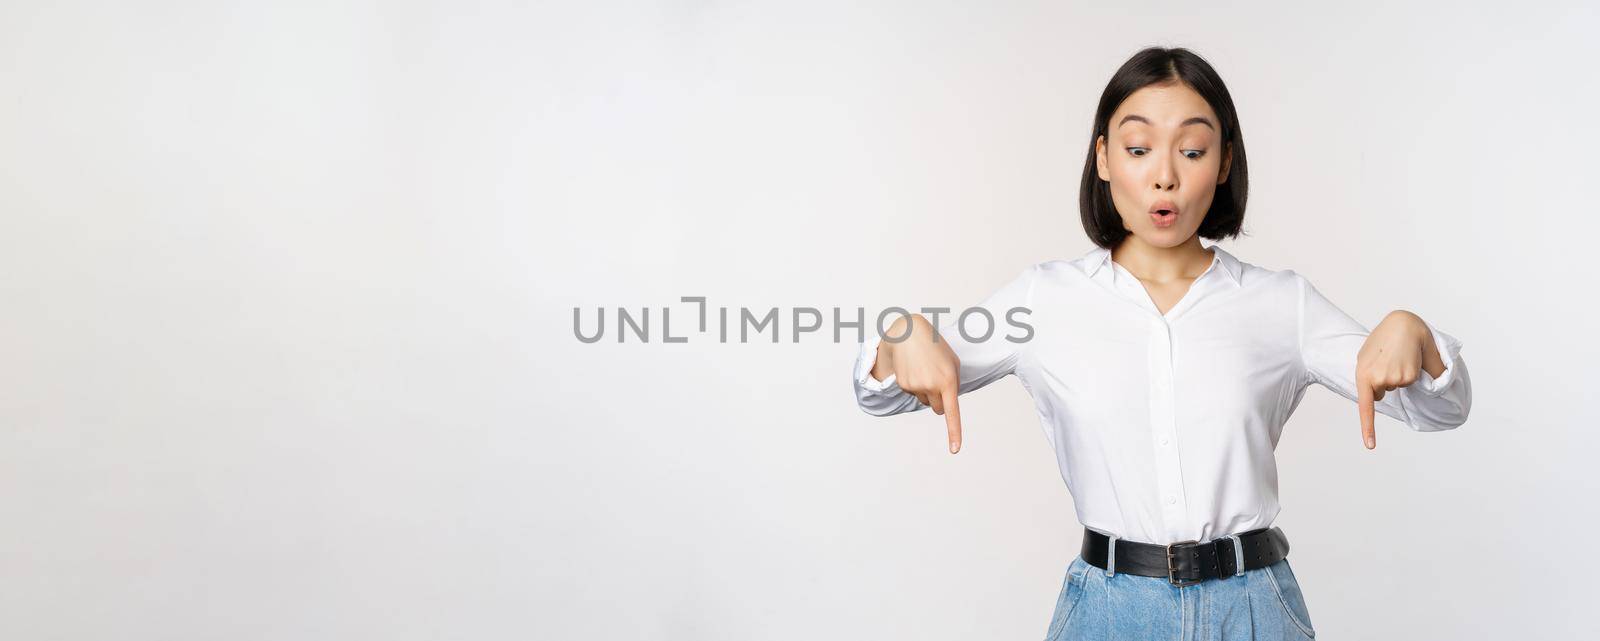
982,361
1329,341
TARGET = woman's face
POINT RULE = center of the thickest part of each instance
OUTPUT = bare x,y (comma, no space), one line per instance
1164,155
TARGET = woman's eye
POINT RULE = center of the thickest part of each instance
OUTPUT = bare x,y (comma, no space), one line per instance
1137,151
1197,154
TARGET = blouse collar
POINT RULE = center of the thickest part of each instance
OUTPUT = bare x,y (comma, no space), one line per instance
1100,257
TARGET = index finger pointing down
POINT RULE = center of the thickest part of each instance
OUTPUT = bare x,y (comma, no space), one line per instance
952,419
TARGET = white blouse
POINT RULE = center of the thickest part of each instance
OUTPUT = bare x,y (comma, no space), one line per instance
1164,426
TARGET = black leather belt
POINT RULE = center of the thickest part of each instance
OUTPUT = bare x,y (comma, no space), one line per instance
1188,562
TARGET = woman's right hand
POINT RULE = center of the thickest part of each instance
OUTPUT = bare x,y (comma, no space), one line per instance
925,367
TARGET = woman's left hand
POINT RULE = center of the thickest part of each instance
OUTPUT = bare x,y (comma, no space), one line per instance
1394,352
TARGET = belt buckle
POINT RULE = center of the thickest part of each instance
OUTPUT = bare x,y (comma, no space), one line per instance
1172,570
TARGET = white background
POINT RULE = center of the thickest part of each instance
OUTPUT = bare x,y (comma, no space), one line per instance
286,294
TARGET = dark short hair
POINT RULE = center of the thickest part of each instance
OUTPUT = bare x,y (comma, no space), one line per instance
1155,66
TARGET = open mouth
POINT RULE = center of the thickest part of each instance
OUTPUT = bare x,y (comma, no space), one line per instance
1164,213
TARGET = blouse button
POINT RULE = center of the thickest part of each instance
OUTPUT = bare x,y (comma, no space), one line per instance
1171,499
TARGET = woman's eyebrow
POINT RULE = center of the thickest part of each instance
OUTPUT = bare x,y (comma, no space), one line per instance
1197,120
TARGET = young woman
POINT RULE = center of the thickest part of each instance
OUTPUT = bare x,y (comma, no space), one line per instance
1163,371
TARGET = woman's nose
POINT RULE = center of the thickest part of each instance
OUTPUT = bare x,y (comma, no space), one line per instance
1166,177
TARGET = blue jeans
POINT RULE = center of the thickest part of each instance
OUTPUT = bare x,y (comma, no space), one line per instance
1264,603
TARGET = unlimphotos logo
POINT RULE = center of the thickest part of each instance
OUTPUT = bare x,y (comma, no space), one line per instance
975,324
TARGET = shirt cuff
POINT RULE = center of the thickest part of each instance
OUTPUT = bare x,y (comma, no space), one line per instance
1449,352
864,363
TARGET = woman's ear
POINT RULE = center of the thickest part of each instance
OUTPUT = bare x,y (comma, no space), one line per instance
1227,161
1100,159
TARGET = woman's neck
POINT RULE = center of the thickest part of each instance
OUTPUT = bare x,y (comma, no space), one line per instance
1185,261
